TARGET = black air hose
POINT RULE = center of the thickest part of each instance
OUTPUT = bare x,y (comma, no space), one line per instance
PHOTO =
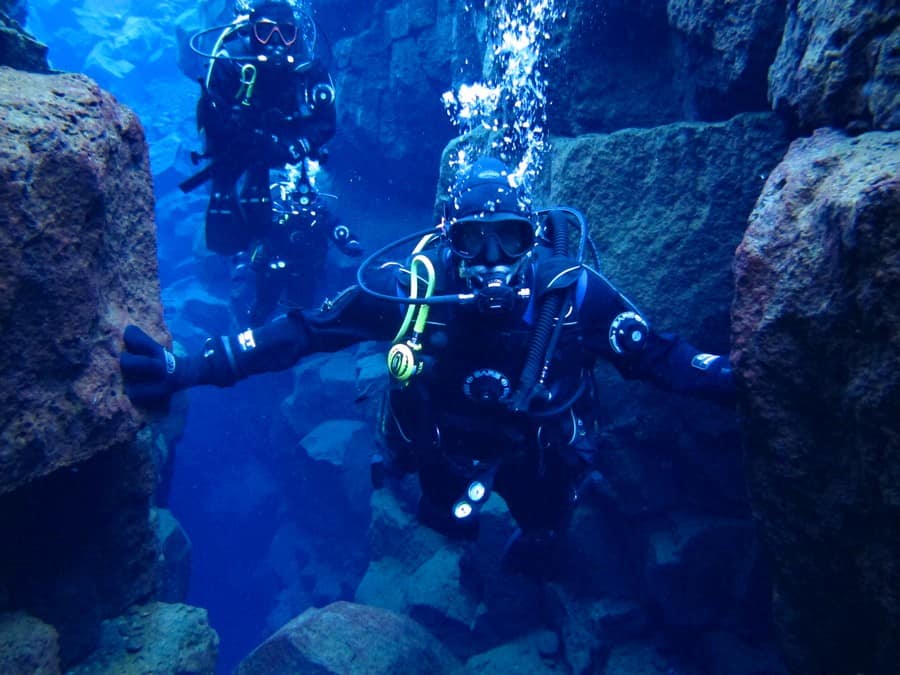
550,306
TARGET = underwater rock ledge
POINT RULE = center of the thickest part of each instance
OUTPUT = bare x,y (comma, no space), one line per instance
816,331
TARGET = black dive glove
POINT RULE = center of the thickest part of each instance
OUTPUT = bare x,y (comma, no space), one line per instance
151,372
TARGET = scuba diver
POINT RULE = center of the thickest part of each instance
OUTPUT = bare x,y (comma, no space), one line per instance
267,100
286,265
501,323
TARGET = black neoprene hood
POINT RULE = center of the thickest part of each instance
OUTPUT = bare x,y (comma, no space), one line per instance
280,12
485,194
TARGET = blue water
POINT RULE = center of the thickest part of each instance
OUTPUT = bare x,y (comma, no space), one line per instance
223,491
226,499
247,516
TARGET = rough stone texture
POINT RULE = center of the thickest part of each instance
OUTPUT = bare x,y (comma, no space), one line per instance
816,329
15,9
20,50
839,64
884,94
27,646
175,557
591,627
391,77
154,638
612,67
79,263
535,653
700,571
457,590
725,51
667,206
417,572
80,544
349,639
618,64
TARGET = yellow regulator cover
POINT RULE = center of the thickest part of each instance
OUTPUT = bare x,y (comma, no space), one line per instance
401,362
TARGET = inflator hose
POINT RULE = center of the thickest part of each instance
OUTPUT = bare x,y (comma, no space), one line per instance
551,304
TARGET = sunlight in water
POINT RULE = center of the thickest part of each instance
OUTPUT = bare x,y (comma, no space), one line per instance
511,102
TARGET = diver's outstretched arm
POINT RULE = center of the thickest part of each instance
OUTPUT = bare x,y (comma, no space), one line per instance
152,373
617,331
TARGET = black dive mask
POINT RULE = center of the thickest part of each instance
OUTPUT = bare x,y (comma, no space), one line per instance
513,236
271,33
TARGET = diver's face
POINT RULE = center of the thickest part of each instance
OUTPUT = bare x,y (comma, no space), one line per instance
492,253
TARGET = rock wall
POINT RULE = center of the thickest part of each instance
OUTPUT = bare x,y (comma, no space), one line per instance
839,65
78,466
816,325
390,77
80,259
642,64
18,49
814,331
670,250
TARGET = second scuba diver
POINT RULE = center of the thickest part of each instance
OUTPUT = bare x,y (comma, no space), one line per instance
267,100
500,327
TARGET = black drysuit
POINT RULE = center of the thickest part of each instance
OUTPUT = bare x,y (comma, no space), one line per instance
285,115
452,423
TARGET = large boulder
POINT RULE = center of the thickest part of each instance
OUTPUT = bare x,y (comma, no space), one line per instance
816,329
79,263
667,206
349,639
670,249
27,645
76,470
154,638
456,589
839,65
